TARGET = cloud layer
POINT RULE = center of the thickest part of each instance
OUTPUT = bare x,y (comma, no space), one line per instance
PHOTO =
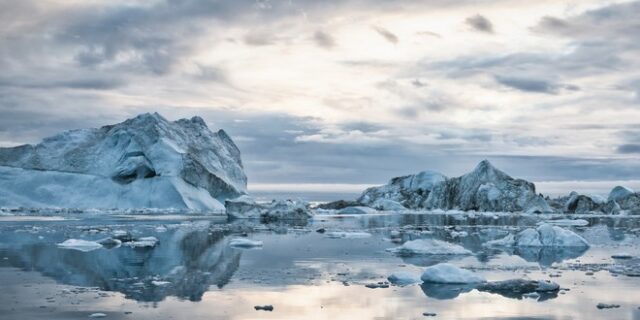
348,92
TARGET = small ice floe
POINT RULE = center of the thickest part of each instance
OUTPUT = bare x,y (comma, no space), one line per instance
144,242
378,285
621,255
566,222
97,315
429,247
267,307
450,274
80,245
160,229
403,278
347,235
607,305
245,243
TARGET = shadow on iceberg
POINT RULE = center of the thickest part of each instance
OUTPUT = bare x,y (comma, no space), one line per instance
184,264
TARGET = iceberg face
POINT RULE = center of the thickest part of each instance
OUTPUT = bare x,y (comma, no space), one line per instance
619,192
450,274
484,189
143,162
409,191
545,235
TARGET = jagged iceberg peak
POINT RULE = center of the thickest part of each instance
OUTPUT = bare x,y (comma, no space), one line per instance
486,172
145,161
486,188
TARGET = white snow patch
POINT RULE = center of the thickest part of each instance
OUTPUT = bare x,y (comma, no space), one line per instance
80,245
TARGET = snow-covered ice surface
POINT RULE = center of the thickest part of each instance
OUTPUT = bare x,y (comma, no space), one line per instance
80,245
323,268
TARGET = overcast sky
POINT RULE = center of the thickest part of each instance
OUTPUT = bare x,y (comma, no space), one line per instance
353,91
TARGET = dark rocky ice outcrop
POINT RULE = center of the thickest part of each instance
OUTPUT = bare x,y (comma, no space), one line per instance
484,189
245,207
143,162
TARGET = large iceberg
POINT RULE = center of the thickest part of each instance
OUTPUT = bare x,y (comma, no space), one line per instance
484,189
143,162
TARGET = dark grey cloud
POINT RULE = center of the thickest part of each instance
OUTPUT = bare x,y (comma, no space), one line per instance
524,84
534,85
259,39
323,39
629,148
50,82
479,23
211,73
386,34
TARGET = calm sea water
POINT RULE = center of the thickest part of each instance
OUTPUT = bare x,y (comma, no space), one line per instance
195,274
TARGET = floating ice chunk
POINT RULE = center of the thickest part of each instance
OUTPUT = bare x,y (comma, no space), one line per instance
97,315
449,274
348,235
403,278
518,287
566,222
160,283
80,245
143,242
357,210
245,243
429,247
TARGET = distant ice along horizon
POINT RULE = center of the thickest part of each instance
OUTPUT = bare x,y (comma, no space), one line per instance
337,191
